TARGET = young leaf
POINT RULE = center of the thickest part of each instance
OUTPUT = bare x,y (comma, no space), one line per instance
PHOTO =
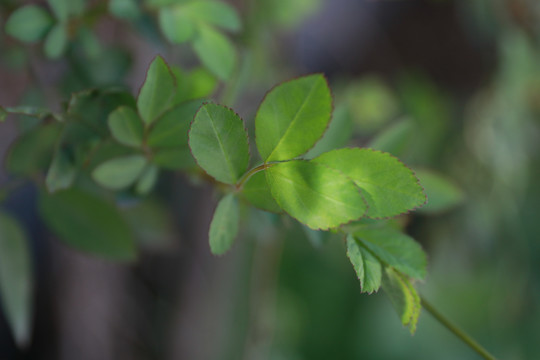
257,193
315,195
395,249
442,194
56,41
176,24
29,23
367,267
219,143
126,126
157,91
215,13
15,278
88,223
292,117
119,173
171,129
403,296
224,226
390,188
147,180
216,52
61,173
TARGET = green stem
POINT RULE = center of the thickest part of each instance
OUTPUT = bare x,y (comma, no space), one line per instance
457,331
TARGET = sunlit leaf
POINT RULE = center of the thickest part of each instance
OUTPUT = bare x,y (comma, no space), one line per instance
216,51
88,223
367,267
315,195
119,173
218,141
126,126
292,117
16,279
29,23
390,188
224,226
403,296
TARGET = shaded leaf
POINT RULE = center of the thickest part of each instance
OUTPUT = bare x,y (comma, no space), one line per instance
62,172
157,91
390,188
124,9
315,195
119,173
174,158
60,9
29,23
367,267
257,192
338,134
56,41
147,180
16,279
395,249
88,223
196,84
224,226
3,114
176,24
292,117
403,296
126,126
216,51
215,13
219,143
441,192
394,139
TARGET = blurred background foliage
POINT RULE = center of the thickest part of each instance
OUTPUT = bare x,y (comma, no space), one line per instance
450,87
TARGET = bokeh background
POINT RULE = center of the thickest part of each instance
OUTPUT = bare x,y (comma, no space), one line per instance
447,85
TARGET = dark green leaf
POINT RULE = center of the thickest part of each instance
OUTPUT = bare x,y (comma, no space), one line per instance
390,188
219,143
403,296
88,223
314,194
119,173
395,249
147,180
216,51
367,267
32,152
224,226
16,279
174,158
126,126
292,117
61,173
441,192
157,91
29,23
171,129
257,193
56,41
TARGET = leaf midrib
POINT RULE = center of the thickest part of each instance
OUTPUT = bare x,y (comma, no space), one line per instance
227,160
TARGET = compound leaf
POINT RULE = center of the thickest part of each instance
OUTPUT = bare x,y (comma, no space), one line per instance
390,188
367,267
403,297
119,173
292,117
126,126
88,223
224,226
218,141
29,23
315,195
216,51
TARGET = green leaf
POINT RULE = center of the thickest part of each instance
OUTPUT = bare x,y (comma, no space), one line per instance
126,126
338,134
197,84
395,249
257,193
88,223
216,51
292,117
32,152
29,23
219,143
119,173
60,8
315,195
367,267
174,158
124,9
224,226
215,13
3,114
403,296
157,91
62,172
171,129
442,194
16,279
56,41
394,139
147,180
176,24
390,188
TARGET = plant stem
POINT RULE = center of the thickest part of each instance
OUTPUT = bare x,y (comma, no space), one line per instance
457,331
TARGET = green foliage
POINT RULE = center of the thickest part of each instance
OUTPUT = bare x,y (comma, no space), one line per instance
224,226
126,126
119,173
403,296
61,173
56,41
216,52
29,23
15,278
257,193
442,193
367,267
